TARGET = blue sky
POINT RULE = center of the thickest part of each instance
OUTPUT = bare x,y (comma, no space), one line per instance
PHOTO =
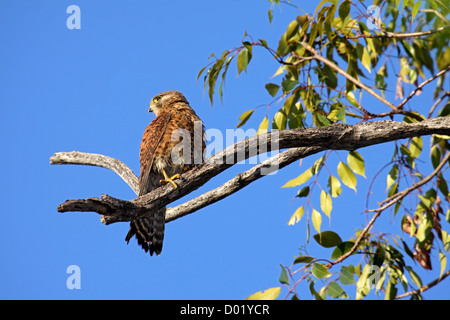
88,90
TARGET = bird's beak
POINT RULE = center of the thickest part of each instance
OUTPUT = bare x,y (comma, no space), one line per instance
150,109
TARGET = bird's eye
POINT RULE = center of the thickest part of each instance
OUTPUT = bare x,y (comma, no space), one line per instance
156,99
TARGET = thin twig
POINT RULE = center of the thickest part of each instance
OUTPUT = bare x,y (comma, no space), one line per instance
438,101
98,160
400,195
436,13
425,287
399,35
420,86
333,66
393,199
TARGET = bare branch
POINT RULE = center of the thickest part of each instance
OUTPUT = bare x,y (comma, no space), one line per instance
240,181
437,14
420,86
94,159
400,195
399,35
438,101
425,287
338,137
333,66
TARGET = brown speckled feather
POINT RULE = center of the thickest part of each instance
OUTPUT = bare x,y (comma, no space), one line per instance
152,138
172,113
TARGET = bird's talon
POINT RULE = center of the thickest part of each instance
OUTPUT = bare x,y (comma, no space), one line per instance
170,180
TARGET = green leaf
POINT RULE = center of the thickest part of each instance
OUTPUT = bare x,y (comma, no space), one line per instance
298,214
279,71
424,229
446,238
328,239
363,56
443,261
319,271
445,111
392,176
435,156
288,85
313,291
362,287
416,147
334,290
317,165
243,59
347,176
301,179
326,203
316,219
269,294
284,278
292,29
320,120
244,117
279,120
337,113
303,259
342,249
391,291
264,43
272,88
200,72
335,186
428,199
415,10
344,9
303,192
346,276
407,250
282,46
415,277
351,98
264,125
331,79
393,190
356,163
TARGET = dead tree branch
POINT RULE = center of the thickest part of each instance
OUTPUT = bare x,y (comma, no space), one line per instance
94,159
305,142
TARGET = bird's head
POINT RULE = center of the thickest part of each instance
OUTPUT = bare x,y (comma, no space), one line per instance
164,100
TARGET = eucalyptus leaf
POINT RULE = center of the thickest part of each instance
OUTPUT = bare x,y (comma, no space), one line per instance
328,239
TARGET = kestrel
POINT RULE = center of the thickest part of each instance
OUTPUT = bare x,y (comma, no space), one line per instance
172,143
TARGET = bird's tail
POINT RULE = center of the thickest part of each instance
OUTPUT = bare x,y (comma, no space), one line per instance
149,231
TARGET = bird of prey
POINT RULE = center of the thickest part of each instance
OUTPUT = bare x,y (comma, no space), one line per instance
172,143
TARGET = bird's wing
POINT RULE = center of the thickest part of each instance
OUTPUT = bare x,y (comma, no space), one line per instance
150,142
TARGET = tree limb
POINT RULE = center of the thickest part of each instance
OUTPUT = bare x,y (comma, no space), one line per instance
338,137
239,181
94,159
400,35
425,287
420,86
